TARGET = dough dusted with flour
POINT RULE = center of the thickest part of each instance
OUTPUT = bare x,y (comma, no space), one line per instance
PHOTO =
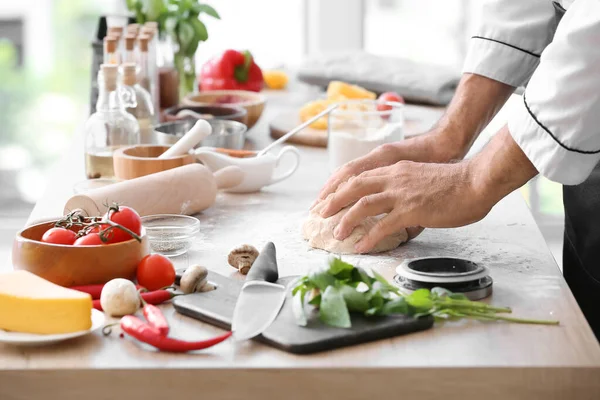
319,233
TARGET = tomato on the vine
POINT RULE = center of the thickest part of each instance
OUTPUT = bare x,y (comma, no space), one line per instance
127,217
155,271
91,239
59,236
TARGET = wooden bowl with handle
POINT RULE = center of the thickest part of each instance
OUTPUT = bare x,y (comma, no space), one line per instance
76,265
135,161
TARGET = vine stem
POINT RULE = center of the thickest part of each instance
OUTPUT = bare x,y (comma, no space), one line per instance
75,219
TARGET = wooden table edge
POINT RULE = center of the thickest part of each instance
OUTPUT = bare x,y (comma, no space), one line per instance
300,383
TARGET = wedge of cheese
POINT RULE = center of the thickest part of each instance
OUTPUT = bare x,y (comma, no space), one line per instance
32,304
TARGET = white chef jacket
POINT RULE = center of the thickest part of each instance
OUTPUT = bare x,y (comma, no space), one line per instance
526,42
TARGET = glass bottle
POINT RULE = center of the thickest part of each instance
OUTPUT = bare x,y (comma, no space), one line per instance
109,128
129,56
150,28
117,33
143,110
110,50
142,62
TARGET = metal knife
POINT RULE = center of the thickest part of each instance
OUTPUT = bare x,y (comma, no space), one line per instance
260,299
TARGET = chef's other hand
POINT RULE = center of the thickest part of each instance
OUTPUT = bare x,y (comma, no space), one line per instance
411,194
430,147
428,194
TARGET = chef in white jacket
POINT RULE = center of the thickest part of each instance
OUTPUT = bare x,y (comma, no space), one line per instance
553,49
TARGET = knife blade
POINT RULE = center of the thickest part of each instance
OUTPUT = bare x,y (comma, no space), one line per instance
260,299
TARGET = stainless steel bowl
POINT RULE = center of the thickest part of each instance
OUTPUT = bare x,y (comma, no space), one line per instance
225,134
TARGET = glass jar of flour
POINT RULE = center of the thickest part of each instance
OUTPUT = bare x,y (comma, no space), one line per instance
356,127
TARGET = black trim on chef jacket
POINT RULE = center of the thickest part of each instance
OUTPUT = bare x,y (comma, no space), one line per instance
564,146
507,44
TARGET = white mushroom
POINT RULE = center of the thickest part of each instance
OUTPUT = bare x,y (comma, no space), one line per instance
195,279
119,297
242,258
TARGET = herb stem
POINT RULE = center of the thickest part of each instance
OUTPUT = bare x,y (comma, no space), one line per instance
513,319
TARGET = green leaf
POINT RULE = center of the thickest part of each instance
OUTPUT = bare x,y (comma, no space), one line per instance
420,300
298,307
315,301
199,29
372,312
184,6
340,269
153,9
360,275
356,301
396,306
206,9
185,35
132,4
170,24
333,310
321,279
384,282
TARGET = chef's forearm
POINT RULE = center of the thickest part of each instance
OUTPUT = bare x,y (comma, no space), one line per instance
499,168
476,102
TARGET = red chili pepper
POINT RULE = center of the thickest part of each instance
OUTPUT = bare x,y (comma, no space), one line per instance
155,318
94,290
232,70
143,332
155,297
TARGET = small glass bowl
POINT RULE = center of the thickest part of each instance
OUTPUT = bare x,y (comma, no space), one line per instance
170,234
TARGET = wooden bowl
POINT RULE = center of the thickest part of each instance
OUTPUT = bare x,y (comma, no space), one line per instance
229,113
135,161
76,265
253,102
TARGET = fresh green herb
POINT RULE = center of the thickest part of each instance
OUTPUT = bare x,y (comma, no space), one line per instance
333,310
342,289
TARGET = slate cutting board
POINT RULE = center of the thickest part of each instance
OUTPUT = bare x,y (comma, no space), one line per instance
216,308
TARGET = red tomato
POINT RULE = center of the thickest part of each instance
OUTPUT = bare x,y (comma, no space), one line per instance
155,271
59,236
128,218
389,96
91,239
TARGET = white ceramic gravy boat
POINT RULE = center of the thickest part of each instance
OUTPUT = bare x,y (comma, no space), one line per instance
258,171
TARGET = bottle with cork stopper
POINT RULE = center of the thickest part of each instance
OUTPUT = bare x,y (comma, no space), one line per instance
129,56
143,111
150,28
142,62
111,56
117,33
109,128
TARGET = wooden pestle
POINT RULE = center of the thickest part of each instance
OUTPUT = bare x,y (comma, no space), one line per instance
183,190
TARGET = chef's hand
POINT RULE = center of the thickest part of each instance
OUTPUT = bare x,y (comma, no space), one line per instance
476,101
428,194
426,148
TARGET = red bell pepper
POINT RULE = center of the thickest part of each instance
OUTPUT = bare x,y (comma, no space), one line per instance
232,70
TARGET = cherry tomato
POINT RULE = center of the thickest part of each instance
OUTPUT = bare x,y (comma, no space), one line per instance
155,271
59,236
389,96
91,239
128,218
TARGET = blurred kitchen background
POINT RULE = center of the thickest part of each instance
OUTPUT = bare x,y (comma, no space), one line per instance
46,55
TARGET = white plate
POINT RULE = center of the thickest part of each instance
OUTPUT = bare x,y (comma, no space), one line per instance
34,339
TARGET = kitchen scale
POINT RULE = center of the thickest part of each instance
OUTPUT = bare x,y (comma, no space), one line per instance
455,274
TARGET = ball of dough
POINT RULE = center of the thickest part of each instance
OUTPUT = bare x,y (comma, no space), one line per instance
319,233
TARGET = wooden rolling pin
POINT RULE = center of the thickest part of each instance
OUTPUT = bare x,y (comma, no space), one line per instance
183,190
